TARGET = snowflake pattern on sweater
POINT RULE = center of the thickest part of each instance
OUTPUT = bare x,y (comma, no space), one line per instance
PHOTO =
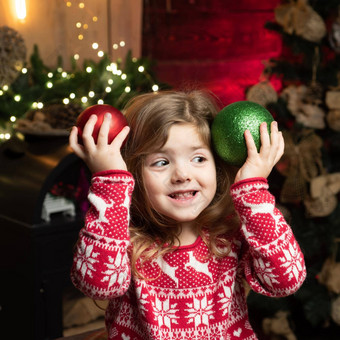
188,294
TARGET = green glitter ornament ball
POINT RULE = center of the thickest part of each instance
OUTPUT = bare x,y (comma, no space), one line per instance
228,128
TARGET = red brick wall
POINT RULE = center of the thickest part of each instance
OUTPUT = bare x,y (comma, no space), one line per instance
219,44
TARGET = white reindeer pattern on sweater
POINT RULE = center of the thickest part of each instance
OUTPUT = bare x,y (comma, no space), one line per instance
189,294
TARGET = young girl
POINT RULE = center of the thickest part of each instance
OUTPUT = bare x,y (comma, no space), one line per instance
174,263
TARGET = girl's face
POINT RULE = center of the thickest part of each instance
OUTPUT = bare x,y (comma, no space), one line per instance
180,178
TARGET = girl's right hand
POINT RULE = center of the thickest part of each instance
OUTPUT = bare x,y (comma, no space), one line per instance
101,156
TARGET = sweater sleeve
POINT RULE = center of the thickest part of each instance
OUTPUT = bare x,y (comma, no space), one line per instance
272,261
101,265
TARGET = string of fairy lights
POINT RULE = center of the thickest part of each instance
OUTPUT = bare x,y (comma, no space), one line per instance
112,71
95,46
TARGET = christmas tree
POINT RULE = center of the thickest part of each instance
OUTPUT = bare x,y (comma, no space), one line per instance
306,182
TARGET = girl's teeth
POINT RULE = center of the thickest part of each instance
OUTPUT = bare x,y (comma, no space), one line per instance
182,195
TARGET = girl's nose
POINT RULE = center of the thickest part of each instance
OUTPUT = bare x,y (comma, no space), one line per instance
180,174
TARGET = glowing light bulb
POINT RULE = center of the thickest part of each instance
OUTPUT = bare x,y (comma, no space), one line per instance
24,70
60,69
100,101
88,69
123,76
122,43
49,85
66,101
100,54
108,89
1,92
80,37
64,74
40,105
155,88
91,94
76,56
17,97
115,46
81,5
78,24
141,69
13,119
113,67
110,81
68,3
5,87
7,135
85,26
95,45
20,7
72,95
127,89
95,19
84,99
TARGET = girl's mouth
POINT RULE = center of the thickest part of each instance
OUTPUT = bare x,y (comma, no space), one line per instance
183,195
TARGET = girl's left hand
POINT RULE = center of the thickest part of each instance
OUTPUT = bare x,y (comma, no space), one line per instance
260,164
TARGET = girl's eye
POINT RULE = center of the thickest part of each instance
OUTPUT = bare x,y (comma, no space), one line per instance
199,159
160,163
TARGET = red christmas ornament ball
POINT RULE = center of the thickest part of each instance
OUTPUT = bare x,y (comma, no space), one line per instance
118,121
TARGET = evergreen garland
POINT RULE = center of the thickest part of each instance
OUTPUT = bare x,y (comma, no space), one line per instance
113,83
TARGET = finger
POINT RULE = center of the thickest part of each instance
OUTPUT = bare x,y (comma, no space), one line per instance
274,133
251,146
104,130
120,138
73,141
73,137
276,141
264,136
87,137
281,147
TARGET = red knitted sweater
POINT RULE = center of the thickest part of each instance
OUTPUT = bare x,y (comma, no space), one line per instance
192,295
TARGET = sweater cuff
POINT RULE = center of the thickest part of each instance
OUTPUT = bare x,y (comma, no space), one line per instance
111,173
251,180
248,186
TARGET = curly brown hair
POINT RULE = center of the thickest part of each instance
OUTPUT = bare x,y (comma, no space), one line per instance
150,117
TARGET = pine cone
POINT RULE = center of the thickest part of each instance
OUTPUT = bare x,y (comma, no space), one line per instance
62,116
